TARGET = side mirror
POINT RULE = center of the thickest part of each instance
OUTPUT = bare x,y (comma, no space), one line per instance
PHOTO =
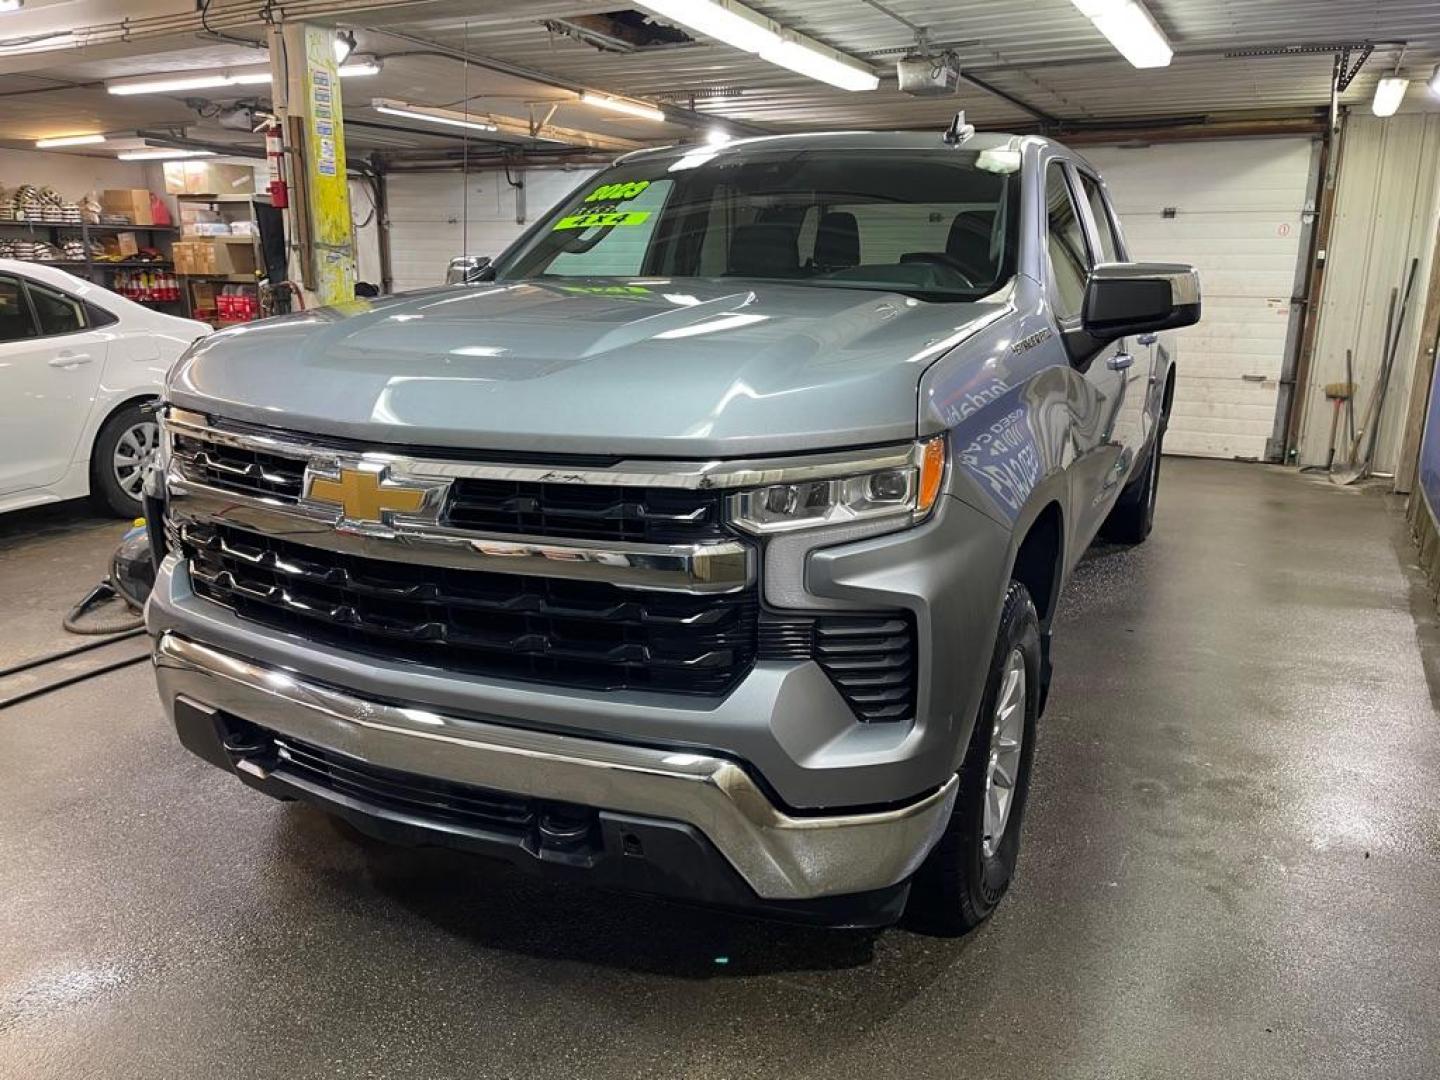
1122,299
464,269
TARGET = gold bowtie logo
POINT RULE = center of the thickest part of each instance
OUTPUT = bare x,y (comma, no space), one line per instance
365,494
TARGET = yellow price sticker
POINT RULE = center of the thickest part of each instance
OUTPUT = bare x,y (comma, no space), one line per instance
602,219
617,192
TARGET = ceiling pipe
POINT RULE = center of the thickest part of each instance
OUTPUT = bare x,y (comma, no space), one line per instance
674,113
1190,130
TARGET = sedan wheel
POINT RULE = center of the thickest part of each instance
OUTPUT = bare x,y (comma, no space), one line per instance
132,453
123,448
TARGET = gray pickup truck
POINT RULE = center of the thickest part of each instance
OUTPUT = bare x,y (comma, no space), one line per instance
707,548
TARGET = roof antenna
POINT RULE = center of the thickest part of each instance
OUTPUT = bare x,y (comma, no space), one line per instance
958,131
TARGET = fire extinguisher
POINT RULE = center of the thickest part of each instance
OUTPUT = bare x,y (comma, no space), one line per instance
275,156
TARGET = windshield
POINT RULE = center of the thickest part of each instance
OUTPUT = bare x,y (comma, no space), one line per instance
936,225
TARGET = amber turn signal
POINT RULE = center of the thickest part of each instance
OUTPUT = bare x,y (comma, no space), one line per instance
932,475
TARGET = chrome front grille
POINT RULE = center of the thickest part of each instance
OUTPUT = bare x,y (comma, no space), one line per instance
623,578
239,469
586,511
570,511
566,633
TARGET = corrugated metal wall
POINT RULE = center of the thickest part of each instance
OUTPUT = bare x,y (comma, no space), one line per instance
1386,202
436,216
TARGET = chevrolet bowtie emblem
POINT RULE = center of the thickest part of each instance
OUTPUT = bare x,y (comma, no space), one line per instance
365,494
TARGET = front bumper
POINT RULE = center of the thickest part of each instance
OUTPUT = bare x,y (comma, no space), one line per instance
780,857
786,720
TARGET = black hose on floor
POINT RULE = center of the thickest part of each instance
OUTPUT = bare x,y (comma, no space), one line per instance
132,617
76,650
60,684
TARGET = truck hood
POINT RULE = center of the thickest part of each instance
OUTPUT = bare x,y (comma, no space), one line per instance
712,368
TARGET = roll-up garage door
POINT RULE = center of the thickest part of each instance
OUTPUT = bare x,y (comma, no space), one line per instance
1236,210
437,216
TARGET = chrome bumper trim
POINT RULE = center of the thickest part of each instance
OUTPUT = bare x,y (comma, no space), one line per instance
781,856
755,472
722,567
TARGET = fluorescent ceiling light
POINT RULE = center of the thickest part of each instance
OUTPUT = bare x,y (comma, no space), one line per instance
69,140
1435,81
717,136
162,155
1389,92
821,64
219,80
167,84
358,66
11,5
629,108
430,115
738,26
733,24
190,80
1129,27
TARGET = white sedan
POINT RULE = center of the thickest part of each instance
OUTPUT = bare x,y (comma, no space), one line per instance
77,366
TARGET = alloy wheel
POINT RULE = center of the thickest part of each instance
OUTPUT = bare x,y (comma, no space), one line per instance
132,453
1007,736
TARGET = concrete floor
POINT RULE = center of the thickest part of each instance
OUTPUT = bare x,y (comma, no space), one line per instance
1230,869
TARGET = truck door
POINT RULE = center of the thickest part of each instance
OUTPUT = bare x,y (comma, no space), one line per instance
1100,388
1132,428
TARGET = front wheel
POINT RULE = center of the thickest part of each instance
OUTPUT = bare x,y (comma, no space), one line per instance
123,448
970,867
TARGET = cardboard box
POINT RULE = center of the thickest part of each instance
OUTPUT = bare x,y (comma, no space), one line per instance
122,245
131,203
213,257
204,178
202,298
195,219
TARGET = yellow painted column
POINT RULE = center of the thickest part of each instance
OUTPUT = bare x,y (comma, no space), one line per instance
323,192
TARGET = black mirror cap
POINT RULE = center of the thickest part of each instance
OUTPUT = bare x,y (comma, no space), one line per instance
1139,298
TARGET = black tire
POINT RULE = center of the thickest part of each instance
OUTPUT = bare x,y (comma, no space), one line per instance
1133,516
960,883
106,490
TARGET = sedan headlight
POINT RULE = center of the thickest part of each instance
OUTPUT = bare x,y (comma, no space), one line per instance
907,491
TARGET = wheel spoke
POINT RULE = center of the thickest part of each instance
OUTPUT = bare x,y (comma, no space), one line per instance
1006,740
132,451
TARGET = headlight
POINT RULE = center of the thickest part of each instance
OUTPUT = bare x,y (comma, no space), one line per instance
907,491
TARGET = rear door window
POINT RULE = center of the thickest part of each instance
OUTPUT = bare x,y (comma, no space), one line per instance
57,313
16,322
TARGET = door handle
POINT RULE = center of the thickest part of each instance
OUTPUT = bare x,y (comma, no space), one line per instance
69,359
1120,361
1148,339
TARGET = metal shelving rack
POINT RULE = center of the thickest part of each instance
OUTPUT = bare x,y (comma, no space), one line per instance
94,268
244,203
